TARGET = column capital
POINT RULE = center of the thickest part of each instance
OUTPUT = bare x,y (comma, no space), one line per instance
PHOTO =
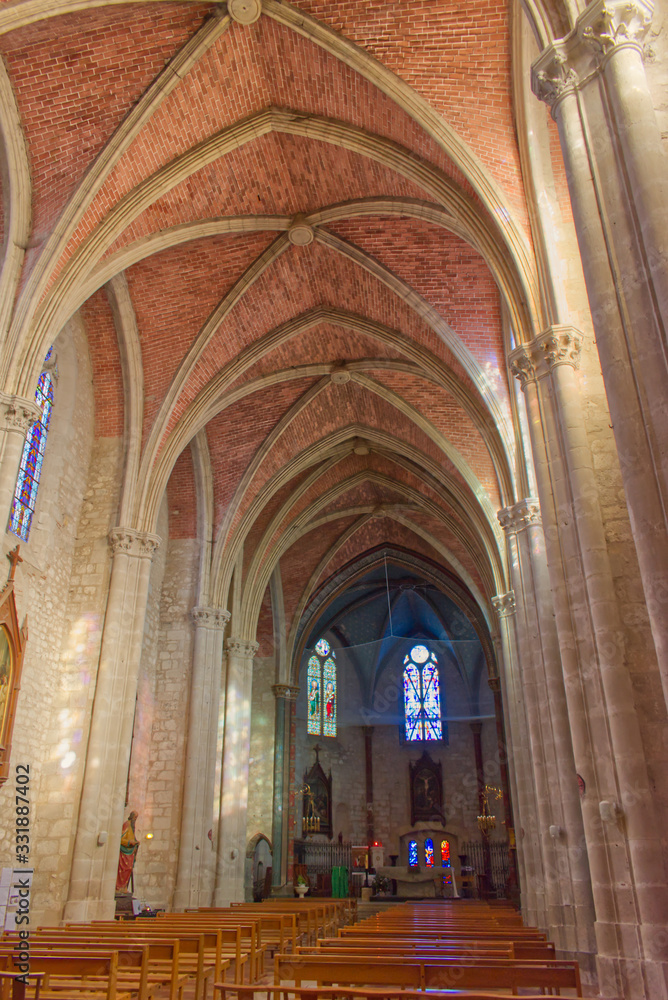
559,345
133,543
241,647
494,684
504,604
213,618
519,515
602,28
607,25
287,691
18,413
553,75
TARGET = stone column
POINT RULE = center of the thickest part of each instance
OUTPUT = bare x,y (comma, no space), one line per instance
594,80
96,846
18,415
567,877
234,781
625,859
196,866
285,695
532,888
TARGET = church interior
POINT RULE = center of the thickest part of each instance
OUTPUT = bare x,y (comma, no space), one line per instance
334,461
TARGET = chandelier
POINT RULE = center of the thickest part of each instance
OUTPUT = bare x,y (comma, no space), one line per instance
310,819
486,820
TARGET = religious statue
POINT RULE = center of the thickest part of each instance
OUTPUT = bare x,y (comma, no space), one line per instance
128,853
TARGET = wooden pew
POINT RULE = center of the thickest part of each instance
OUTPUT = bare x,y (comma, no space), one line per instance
422,974
401,945
161,964
12,986
236,991
196,954
278,929
478,933
241,941
74,977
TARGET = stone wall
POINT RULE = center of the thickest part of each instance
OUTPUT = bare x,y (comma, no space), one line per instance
62,588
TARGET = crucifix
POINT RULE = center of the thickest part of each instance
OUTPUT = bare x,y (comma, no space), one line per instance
14,558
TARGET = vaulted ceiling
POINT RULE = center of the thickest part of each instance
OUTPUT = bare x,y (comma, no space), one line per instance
300,247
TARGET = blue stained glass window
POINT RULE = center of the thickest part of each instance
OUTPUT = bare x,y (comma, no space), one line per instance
412,702
429,852
30,469
321,683
412,854
422,699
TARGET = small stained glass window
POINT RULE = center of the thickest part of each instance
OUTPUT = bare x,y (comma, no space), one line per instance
321,683
412,854
445,854
429,852
30,469
422,699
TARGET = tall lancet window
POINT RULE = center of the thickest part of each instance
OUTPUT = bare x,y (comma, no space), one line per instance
30,469
321,681
422,699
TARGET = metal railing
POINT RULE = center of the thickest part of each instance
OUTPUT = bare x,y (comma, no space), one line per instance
498,852
320,857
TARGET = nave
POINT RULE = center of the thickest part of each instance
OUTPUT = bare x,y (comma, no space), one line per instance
313,949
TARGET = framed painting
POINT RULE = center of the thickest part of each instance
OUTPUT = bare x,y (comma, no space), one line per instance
12,646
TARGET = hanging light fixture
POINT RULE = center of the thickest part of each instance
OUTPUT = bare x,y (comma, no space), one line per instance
486,820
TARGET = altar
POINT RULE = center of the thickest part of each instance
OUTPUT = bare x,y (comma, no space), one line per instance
428,865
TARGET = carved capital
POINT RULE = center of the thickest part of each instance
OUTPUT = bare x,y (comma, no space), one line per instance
494,684
609,24
133,543
504,604
520,515
214,618
560,345
18,414
287,691
241,648
244,11
553,75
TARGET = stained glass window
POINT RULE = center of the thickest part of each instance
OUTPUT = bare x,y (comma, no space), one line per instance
30,469
412,854
321,682
314,724
422,699
329,708
445,853
429,852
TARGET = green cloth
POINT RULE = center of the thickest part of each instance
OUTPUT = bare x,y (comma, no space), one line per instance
339,882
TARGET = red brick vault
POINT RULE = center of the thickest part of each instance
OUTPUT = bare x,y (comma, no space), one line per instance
299,245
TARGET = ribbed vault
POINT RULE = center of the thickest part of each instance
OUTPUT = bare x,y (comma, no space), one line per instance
300,273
